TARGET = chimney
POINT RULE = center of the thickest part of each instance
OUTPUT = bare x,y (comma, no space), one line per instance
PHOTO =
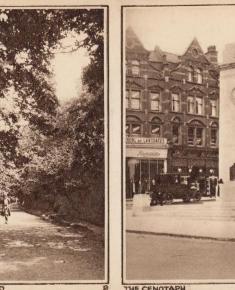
212,54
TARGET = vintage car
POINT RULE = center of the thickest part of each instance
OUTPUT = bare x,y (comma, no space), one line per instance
167,187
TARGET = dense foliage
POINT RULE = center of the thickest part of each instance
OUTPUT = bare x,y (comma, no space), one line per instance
48,151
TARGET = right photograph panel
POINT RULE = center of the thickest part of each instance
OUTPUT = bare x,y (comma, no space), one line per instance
178,143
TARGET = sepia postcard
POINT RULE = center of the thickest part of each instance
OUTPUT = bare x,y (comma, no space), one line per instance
54,146
178,138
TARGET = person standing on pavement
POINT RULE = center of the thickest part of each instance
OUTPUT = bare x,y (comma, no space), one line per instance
6,207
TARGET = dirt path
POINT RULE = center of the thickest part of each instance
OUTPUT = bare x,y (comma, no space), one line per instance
36,250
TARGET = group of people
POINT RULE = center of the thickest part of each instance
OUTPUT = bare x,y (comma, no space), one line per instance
6,212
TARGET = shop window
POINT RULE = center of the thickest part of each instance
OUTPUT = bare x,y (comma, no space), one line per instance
175,102
135,68
198,76
155,101
135,100
190,105
199,106
213,107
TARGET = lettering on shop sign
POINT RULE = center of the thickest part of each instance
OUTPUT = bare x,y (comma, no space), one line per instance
142,153
143,140
153,287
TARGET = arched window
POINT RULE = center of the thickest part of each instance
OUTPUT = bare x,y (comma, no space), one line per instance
176,131
198,76
133,126
155,127
196,132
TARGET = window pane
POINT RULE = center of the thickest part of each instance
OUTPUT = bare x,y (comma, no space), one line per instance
135,104
190,102
175,103
199,136
190,136
136,129
155,129
213,108
127,99
213,136
198,73
199,108
135,100
175,133
135,70
155,101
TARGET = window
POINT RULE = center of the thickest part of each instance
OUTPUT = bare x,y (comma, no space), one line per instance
135,67
199,136
195,136
175,103
190,75
190,104
176,133
191,136
127,129
135,100
199,106
133,129
156,127
133,126
155,101
136,129
213,104
198,76
213,136
127,99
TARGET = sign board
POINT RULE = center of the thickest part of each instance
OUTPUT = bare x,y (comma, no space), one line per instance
148,153
144,140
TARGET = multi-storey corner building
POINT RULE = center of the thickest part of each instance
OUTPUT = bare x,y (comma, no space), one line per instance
172,112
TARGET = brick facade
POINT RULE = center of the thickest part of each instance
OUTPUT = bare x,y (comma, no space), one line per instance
175,97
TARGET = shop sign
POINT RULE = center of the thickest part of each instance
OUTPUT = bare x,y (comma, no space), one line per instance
144,140
146,153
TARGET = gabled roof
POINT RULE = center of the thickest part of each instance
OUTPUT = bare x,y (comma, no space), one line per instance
132,40
157,55
194,51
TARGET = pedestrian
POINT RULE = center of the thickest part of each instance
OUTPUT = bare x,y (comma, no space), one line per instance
6,207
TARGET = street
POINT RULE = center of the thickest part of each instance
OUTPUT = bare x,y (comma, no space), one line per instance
34,249
154,257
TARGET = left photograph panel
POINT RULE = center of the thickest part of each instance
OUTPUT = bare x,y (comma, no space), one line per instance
54,145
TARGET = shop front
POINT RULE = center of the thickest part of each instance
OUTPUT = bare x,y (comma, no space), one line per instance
145,158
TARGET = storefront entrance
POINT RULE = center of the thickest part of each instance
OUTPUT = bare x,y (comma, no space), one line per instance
139,173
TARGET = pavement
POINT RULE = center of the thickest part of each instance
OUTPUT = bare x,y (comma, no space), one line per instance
207,219
32,249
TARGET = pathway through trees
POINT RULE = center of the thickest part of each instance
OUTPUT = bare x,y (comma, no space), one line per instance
33,249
